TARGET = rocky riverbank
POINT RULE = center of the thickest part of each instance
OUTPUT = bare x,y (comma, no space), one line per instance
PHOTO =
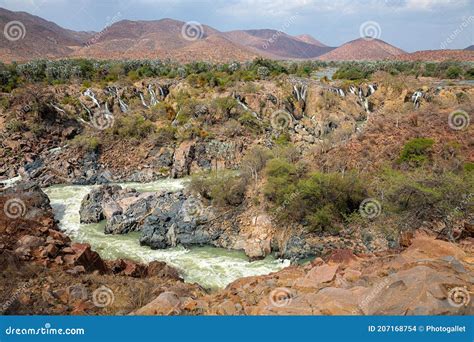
167,219
43,272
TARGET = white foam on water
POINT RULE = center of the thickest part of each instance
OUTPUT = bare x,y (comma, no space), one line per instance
210,267
10,182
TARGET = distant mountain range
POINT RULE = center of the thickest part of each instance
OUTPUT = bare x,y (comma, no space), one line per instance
28,37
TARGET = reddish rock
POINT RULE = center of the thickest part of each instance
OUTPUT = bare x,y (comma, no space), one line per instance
84,256
318,275
167,303
51,250
161,269
342,256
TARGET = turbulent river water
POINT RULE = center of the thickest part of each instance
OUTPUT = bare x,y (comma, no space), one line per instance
208,266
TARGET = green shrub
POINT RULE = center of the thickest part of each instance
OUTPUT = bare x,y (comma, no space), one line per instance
132,126
224,188
420,196
349,73
323,219
416,151
321,201
453,72
86,143
223,106
469,74
249,121
15,125
469,167
164,135
281,180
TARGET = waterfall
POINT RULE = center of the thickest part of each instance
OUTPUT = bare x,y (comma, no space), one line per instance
90,94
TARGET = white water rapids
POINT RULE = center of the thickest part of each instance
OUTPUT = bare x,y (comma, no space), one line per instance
208,266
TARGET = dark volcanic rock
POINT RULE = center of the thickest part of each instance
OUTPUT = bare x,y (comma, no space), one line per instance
164,218
92,206
179,220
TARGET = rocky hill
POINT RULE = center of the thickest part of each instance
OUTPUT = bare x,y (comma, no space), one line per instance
279,45
438,55
29,37
363,49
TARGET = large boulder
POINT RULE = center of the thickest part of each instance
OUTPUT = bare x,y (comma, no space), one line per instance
92,205
179,219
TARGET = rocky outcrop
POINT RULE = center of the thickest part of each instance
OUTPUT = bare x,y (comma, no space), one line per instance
431,277
164,218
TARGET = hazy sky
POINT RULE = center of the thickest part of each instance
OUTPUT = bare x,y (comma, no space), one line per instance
409,24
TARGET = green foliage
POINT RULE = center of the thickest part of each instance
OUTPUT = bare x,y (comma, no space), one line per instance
15,126
469,167
350,73
224,188
249,121
318,200
86,143
204,74
281,180
416,151
132,126
469,74
164,135
282,139
453,72
420,195
223,106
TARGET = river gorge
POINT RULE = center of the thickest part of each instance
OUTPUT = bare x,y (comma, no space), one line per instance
208,266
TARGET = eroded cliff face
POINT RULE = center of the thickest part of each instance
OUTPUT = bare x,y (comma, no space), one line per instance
69,134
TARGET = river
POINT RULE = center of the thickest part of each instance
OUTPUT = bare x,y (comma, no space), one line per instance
210,267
